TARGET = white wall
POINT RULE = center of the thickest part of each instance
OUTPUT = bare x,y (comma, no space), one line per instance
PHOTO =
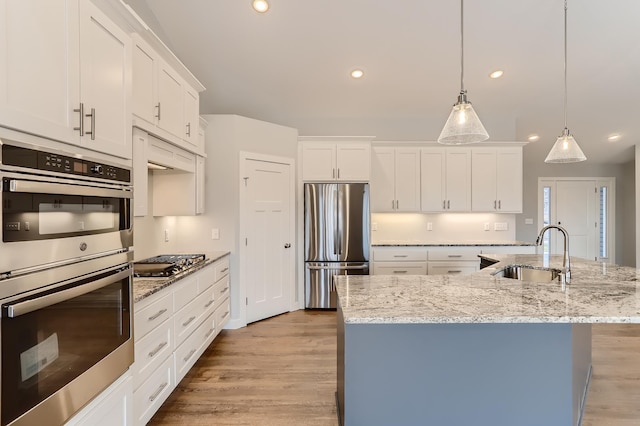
446,227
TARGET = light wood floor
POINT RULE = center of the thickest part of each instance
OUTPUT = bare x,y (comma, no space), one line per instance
282,371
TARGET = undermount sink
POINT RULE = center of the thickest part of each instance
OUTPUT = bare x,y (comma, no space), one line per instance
529,273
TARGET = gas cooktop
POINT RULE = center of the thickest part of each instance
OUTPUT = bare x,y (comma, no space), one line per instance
166,265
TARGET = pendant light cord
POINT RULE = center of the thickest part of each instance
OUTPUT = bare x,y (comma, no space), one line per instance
462,46
565,64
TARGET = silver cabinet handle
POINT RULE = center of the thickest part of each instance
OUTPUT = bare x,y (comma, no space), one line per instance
157,349
224,270
444,204
189,321
226,289
225,315
191,352
333,173
338,173
400,272
397,204
209,303
495,205
455,271
93,124
393,204
189,129
80,127
158,115
400,255
157,314
499,204
209,332
448,204
157,392
454,255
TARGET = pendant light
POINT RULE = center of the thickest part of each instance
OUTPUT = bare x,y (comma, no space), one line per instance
566,149
463,125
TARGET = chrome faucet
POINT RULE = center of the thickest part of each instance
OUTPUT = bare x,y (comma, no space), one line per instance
566,262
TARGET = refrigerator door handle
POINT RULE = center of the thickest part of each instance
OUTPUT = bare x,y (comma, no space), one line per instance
316,268
338,214
336,228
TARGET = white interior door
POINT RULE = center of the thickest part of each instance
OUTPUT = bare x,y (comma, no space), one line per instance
268,256
576,203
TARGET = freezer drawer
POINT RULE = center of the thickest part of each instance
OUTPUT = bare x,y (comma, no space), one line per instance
320,290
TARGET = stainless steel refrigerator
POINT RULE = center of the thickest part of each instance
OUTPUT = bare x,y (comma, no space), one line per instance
336,238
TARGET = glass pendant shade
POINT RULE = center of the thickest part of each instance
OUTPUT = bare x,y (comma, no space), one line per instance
565,150
463,125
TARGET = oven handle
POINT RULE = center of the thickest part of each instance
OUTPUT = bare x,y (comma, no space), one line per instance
61,188
21,308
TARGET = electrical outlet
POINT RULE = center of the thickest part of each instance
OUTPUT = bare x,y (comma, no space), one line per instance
215,234
166,235
487,226
429,226
374,226
501,226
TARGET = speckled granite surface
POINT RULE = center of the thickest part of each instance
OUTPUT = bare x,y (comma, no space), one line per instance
416,243
598,293
145,287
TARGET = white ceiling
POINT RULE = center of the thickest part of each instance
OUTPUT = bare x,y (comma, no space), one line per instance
291,66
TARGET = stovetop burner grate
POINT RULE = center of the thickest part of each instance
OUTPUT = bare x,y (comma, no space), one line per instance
166,265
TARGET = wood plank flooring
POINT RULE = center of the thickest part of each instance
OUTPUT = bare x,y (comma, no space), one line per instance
282,371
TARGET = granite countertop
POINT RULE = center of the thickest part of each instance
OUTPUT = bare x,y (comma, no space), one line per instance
598,293
145,287
468,243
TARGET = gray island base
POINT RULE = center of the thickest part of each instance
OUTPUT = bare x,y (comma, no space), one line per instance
462,374
478,349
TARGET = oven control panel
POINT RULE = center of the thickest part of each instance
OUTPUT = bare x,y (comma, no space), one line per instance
52,162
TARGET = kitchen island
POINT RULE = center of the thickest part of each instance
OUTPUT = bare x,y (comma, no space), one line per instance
475,349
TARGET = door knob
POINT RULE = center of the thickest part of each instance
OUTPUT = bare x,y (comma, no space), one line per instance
287,245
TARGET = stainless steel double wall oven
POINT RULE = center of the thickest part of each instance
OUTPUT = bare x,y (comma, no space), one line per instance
65,280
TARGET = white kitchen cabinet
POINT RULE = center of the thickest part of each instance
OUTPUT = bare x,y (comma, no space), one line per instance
395,179
113,407
399,261
453,260
497,179
65,74
336,161
445,179
164,104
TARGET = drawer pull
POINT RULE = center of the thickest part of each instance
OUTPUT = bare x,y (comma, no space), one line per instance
158,391
456,271
224,270
156,315
225,315
454,255
191,352
157,349
211,330
209,303
400,272
226,289
189,321
400,255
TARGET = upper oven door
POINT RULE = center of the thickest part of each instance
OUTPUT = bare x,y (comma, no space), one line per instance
47,220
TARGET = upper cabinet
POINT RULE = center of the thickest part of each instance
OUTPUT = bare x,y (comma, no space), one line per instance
445,179
343,161
395,180
164,104
497,179
65,74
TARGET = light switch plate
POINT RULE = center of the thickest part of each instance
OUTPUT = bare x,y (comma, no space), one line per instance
374,226
487,226
501,226
429,226
215,234
528,221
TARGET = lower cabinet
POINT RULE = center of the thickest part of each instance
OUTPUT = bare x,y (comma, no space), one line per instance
113,407
399,261
187,317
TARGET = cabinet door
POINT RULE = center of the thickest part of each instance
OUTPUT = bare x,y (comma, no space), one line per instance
39,65
509,180
145,67
318,161
140,173
191,120
484,178
170,98
105,82
383,180
407,179
432,179
458,179
353,162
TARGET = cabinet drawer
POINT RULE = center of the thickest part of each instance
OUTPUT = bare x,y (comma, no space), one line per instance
153,315
153,392
452,268
221,290
151,351
221,268
222,314
188,353
206,278
187,320
400,268
186,291
399,254
455,255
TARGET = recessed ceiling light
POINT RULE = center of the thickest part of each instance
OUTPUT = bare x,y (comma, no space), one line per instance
614,137
260,5
533,137
496,74
357,73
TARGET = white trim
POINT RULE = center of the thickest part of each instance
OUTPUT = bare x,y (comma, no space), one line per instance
242,290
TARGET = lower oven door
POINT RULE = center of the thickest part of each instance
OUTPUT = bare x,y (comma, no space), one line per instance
63,344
